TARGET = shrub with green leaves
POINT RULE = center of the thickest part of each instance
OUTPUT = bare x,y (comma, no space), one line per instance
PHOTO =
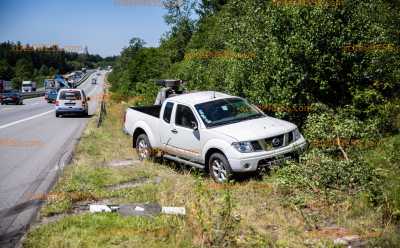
319,173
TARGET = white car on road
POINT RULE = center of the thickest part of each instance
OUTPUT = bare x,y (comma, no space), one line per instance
71,101
220,133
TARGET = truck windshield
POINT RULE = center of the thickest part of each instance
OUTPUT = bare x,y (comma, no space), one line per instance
226,111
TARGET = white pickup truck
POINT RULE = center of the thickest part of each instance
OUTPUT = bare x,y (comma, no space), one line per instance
217,132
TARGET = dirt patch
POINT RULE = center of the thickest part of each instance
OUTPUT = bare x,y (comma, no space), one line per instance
121,163
134,183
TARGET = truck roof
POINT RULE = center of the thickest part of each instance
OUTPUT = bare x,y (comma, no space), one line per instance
198,97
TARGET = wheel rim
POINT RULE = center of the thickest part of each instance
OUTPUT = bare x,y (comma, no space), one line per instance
143,149
219,170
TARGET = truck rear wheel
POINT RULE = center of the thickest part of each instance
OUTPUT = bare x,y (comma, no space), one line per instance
219,168
143,147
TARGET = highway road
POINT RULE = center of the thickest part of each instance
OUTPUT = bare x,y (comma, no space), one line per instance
34,148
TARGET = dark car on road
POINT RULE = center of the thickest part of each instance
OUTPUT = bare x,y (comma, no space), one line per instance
11,96
51,95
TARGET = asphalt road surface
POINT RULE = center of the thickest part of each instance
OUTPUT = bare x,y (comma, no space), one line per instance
34,148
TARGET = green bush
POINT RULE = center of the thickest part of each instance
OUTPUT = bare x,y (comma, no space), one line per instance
320,172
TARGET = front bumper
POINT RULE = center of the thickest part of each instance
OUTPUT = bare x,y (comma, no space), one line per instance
6,101
70,111
51,99
248,162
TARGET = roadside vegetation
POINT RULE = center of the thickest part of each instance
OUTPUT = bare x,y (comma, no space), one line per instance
305,204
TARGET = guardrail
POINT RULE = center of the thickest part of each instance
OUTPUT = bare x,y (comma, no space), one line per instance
103,110
26,95
83,79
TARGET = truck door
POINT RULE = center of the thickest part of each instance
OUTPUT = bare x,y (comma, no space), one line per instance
166,125
184,135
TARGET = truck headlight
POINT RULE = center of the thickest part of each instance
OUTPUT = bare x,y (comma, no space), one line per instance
244,146
296,134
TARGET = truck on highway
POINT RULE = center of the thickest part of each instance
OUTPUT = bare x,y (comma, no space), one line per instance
217,132
28,86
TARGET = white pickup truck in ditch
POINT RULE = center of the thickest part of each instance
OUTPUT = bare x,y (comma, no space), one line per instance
217,132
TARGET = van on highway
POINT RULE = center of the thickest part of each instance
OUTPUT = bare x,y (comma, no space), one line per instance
71,101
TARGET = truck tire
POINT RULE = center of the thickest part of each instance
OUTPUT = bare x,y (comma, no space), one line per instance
219,168
143,147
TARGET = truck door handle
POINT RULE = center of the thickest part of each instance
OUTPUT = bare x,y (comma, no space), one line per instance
174,131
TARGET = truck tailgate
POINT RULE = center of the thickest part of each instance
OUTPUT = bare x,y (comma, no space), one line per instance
147,117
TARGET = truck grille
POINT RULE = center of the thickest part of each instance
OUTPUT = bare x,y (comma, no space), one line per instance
275,142
272,143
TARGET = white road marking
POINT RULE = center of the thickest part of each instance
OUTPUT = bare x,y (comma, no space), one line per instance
94,89
26,119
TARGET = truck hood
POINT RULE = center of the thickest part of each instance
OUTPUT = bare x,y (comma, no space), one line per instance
255,129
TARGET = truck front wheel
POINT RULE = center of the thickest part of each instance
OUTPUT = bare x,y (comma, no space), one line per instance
143,147
219,168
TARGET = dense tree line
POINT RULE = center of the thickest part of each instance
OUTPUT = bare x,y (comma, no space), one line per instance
340,59
24,62
334,53
338,55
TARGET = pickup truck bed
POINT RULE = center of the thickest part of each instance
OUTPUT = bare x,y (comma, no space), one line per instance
150,110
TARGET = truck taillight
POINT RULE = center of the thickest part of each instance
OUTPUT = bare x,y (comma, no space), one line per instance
124,117
57,103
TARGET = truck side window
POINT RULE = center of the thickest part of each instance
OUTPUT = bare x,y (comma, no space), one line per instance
168,111
184,116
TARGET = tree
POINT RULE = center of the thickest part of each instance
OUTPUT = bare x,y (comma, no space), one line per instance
178,10
210,7
6,72
23,71
44,70
136,43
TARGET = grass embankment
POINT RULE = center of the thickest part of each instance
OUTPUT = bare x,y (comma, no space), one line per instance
252,213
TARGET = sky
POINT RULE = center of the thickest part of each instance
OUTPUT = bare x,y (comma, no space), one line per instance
104,26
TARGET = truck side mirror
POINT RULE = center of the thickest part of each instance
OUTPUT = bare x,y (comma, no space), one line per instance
194,126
